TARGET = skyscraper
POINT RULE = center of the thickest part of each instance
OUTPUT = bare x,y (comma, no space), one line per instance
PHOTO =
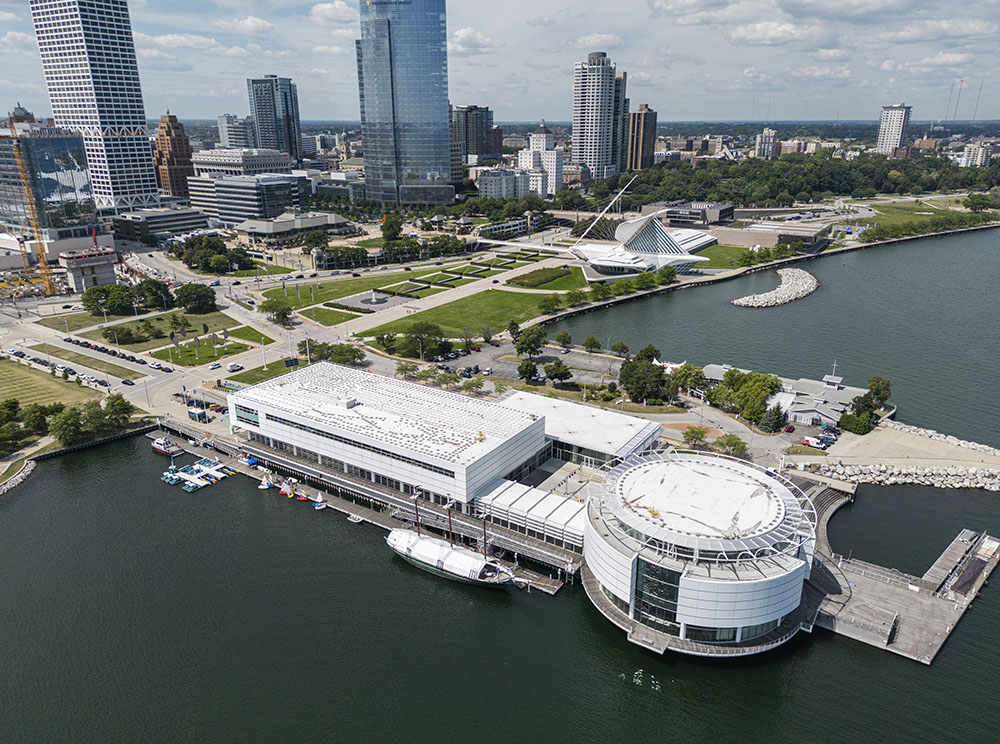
235,132
892,128
172,156
403,84
641,138
474,129
600,115
88,57
543,155
767,146
274,108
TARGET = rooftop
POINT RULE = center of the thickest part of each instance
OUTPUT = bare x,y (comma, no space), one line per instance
454,428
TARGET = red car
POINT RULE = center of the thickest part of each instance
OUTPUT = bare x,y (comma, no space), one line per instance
789,428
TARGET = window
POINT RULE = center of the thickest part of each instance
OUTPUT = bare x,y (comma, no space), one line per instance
246,415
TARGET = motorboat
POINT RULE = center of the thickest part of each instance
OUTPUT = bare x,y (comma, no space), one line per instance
354,519
164,446
319,505
449,561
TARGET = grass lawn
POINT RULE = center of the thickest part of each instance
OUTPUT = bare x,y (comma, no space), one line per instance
722,256
426,292
458,281
259,374
34,386
76,321
371,243
186,357
800,449
573,279
336,289
895,213
246,333
82,360
265,270
504,264
492,307
438,278
326,316
404,287
216,322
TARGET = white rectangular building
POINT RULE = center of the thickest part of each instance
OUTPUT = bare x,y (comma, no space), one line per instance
397,434
892,128
504,184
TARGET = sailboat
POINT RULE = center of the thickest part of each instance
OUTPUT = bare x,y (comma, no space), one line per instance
449,561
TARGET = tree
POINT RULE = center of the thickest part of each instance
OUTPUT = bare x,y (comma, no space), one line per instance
645,280
468,333
392,226
772,419
315,239
880,389
642,379
10,410
527,370
406,369
600,291
531,341
648,353
688,376
472,385
575,297
487,332
117,411
153,293
218,264
978,202
513,328
557,371
666,275
387,341
66,426
195,298
34,418
346,354
499,388
591,344
11,433
277,309
424,337
564,339
620,348
427,373
447,379
696,437
549,304
731,444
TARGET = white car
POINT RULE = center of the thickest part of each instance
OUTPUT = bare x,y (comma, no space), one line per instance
155,365
214,365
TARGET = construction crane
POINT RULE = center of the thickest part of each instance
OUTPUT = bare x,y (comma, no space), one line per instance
32,209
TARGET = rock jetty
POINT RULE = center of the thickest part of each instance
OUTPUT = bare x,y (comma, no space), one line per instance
18,478
938,477
939,437
795,284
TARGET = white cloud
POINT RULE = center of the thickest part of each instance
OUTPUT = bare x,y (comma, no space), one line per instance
673,7
598,42
185,41
20,85
322,49
251,25
767,33
823,72
947,59
319,71
854,10
832,55
938,30
467,41
540,21
18,41
6,17
335,12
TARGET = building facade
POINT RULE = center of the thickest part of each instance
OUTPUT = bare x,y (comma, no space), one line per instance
274,108
976,155
240,162
544,160
88,57
235,131
892,128
94,267
641,138
235,199
403,89
502,183
768,146
473,127
172,157
160,223
600,116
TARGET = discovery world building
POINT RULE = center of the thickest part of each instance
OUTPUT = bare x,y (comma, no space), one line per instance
692,552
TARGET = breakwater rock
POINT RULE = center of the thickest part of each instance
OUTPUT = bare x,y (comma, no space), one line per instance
938,477
795,284
939,437
18,478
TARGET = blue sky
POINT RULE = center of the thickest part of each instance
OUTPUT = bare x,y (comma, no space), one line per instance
688,59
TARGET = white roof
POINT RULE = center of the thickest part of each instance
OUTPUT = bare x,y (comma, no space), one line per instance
451,427
615,434
543,511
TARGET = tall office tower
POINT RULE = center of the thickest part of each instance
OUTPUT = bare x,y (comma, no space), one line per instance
600,111
542,155
892,128
474,129
88,57
496,140
641,138
274,108
235,132
172,156
403,85
768,146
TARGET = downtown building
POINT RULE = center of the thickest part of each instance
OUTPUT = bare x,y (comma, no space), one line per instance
88,57
641,138
767,146
600,116
235,132
472,126
402,64
544,161
892,129
274,108
172,157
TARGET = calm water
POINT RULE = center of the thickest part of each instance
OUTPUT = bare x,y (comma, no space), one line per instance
922,314
133,612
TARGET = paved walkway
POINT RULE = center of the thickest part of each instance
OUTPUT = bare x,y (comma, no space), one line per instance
901,448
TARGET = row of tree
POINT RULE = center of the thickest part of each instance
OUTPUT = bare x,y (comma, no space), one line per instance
211,255
696,437
320,351
921,226
69,426
149,294
864,408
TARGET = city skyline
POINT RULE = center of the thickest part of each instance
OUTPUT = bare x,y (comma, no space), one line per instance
802,63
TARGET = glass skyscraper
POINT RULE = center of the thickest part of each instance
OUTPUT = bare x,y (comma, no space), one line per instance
274,108
403,82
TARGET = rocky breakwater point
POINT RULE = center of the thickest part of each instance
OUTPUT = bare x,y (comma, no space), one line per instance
938,477
939,437
795,284
18,478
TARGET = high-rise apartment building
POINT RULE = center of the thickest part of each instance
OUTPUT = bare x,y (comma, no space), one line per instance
542,156
600,111
88,57
768,146
403,85
641,138
892,128
274,108
236,132
172,157
976,155
473,127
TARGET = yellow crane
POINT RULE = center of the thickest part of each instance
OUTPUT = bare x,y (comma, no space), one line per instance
32,209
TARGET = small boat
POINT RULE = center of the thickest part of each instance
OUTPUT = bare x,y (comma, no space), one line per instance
164,446
265,483
354,519
319,505
448,561
302,497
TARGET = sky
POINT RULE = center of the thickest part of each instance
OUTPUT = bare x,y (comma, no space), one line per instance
690,60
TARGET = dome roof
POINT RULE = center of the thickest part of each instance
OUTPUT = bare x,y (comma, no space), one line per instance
542,129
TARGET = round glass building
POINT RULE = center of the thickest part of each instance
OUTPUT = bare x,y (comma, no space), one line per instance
697,552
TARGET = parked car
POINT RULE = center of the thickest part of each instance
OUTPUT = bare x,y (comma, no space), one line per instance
488,371
67,340
237,283
164,368
789,428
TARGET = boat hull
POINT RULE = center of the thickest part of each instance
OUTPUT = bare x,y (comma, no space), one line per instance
446,575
